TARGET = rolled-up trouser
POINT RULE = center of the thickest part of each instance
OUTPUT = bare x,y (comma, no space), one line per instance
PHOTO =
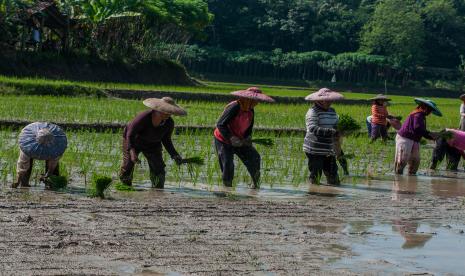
378,131
319,164
444,149
248,155
407,152
24,168
156,165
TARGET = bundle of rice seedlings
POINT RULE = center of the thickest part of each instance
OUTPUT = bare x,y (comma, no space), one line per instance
124,188
447,135
268,142
347,125
55,182
98,185
196,160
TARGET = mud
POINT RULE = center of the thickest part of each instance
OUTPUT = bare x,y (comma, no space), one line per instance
206,230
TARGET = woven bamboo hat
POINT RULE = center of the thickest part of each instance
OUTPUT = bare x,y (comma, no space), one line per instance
253,93
380,97
43,141
324,94
165,105
430,104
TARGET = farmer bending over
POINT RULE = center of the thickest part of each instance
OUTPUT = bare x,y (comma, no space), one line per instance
41,141
321,137
453,147
233,135
409,136
145,134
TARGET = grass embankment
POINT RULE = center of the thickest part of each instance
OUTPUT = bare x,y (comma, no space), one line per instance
41,86
100,153
111,110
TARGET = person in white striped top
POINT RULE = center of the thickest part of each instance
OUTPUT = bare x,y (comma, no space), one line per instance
319,143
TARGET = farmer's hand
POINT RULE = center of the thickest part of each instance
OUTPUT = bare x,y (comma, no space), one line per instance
178,159
134,157
236,141
434,135
247,141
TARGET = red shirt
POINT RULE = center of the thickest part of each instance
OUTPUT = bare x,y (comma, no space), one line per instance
234,122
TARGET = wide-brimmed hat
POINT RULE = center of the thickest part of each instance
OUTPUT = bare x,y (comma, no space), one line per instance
165,105
462,97
380,97
253,93
430,104
43,141
324,94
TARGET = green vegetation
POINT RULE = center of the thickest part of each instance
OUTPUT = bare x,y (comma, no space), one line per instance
124,188
268,142
99,185
55,182
347,125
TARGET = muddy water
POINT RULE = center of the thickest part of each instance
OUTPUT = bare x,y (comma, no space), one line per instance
394,224
404,246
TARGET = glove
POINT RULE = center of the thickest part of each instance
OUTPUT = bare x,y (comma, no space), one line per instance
178,159
236,141
247,141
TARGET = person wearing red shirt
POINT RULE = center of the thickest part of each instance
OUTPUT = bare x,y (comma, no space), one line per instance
233,135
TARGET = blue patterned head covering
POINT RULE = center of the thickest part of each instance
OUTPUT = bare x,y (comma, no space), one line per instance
43,141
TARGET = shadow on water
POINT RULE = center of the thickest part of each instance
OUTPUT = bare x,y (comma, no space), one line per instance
404,246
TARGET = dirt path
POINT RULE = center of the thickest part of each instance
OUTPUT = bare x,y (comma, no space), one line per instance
45,233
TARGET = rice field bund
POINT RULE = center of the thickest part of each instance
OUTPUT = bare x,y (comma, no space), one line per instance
94,225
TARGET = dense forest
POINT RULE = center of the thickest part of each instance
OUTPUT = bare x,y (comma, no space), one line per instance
349,40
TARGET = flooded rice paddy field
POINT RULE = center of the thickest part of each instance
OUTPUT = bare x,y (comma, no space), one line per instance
404,225
373,223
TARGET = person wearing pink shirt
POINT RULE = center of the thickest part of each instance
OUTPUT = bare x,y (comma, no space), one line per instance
453,149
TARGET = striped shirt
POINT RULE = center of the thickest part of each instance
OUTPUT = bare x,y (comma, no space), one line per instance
379,114
321,127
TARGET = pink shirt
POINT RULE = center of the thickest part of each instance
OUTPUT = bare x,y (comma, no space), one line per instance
458,141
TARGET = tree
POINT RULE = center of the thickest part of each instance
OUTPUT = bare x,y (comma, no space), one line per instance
445,33
396,30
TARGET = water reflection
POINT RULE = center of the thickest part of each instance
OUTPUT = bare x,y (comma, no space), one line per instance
403,246
408,230
404,187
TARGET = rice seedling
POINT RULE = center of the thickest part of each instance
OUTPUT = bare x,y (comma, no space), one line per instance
267,142
196,160
347,125
124,188
99,185
55,183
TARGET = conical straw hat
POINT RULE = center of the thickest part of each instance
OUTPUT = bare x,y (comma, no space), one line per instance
43,141
324,94
253,93
165,105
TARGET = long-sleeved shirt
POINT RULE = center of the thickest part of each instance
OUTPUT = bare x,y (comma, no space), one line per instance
143,136
458,141
414,127
234,122
379,114
321,128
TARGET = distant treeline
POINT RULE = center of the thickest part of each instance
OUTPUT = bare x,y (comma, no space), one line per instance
358,40
315,65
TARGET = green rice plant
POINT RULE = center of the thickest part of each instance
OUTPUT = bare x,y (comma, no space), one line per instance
196,160
447,135
99,185
347,125
267,142
124,188
55,182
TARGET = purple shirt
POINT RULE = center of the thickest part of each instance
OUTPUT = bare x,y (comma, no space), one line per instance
414,128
